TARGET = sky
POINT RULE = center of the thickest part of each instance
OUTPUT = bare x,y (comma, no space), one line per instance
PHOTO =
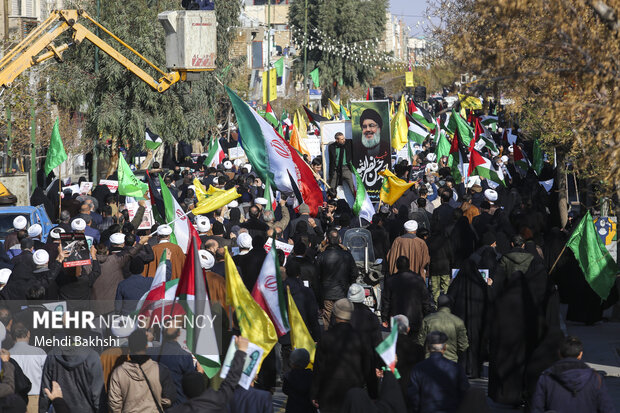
411,11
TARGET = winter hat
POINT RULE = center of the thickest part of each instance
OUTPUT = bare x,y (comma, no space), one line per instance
40,257
34,230
411,225
356,293
304,208
78,224
20,222
343,309
299,358
244,240
443,301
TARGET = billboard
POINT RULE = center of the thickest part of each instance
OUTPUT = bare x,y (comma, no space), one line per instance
371,142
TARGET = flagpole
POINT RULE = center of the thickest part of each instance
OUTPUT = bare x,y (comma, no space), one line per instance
59,193
557,259
171,222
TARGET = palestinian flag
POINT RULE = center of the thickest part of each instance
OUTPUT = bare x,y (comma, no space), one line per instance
387,349
157,202
270,117
481,133
215,154
416,132
315,118
521,162
458,159
269,292
192,296
456,122
481,166
362,206
152,140
176,218
421,115
272,157
490,122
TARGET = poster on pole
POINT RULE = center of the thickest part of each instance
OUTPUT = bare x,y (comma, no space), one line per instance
147,220
607,230
408,79
328,133
372,148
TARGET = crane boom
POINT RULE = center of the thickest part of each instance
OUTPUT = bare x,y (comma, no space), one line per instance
38,47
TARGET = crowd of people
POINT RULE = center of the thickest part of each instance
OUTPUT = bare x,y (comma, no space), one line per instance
465,276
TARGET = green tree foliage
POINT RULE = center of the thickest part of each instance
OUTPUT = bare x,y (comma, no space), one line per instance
120,105
346,23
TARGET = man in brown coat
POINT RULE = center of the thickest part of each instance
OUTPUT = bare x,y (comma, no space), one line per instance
177,257
412,247
140,384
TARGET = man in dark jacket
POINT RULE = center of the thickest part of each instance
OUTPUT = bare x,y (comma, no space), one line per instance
337,271
570,385
340,155
442,261
254,225
443,215
341,361
405,293
437,384
308,273
78,371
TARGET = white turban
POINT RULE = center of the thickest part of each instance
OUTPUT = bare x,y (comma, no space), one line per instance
244,240
431,157
55,232
78,224
164,230
203,224
40,257
20,222
411,225
117,238
490,195
207,261
34,230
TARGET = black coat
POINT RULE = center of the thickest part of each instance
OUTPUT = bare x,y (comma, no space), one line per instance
340,363
443,217
249,266
408,353
331,153
296,385
440,250
406,293
337,271
255,227
389,401
306,304
309,273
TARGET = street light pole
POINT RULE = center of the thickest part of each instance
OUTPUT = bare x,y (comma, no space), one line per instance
268,48
306,47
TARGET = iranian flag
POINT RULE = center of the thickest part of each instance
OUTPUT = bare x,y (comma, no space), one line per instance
215,153
176,218
269,292
416,132
387,349
272,157
521,162
481,166
457,159
192,296
160,295
152,140
362,206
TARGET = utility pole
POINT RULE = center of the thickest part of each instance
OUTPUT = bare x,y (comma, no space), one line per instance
268,47
95,165
6,20
306,47
8,154
33,148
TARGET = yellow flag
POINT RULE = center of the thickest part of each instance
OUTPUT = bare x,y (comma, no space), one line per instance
254,323
399,127
470,102
326,113
335,106
199,188
298,143
212,190
215,201
392,110
300,124
300,337
393,188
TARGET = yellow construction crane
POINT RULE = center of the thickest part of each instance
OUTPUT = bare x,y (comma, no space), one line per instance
190,46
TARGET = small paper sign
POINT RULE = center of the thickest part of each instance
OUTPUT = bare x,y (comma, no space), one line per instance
250,367
85,187
147,219
76,246
287,248
112,185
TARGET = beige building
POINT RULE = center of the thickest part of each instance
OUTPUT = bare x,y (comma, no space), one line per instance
395,36
19,17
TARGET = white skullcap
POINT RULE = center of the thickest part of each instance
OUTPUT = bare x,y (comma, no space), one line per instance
55,232
78,224
117,238
248,167
260,201
20,222
411,225
5,273
123,326
490,195
233,204
40,257
203,224
34,230
244,240
228,165
431,157
207,261
164,230
504,158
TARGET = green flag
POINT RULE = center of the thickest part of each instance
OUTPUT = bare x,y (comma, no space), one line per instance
457,122
56,154
443,146
279,65
315,77
537,163
597,265
343,113
128,184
